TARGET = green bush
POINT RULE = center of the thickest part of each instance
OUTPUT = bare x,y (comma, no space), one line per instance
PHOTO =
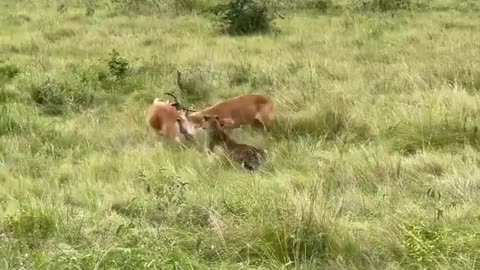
118,65
242,17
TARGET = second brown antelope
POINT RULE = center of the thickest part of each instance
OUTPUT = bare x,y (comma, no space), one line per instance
251,109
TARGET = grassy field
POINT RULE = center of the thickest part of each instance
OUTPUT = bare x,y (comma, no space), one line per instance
373,163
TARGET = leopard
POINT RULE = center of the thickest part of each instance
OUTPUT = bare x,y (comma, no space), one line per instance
250,157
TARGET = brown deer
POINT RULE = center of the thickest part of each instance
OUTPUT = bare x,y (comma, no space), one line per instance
168,122
251,109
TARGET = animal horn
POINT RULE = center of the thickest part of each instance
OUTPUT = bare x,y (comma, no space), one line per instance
172,95
176,104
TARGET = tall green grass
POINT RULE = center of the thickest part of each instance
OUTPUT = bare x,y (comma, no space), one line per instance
372,162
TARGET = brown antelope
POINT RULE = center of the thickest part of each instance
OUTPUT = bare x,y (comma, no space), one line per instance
251,109
248,109
168,122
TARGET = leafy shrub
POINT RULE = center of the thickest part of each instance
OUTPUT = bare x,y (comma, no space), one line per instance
118,65
112,74
242,17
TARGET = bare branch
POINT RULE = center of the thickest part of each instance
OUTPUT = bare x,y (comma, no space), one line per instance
179,82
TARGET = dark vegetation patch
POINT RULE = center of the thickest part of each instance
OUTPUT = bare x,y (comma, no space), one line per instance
243,17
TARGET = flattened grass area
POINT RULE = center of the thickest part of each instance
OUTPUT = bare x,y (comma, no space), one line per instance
373,163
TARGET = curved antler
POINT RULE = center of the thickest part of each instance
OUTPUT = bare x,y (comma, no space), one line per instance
176,104
172,95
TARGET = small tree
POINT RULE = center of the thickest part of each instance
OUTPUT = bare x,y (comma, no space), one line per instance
242,17
118,65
